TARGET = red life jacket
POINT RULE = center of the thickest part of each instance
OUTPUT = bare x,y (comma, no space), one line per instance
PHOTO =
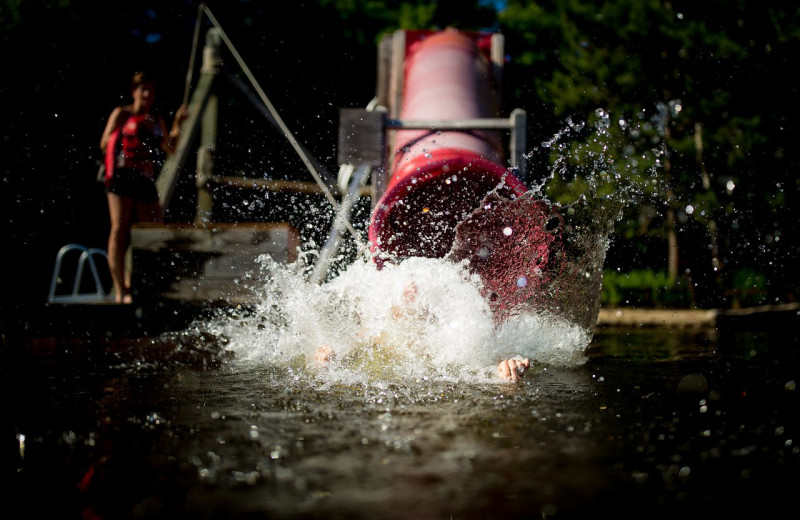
135,145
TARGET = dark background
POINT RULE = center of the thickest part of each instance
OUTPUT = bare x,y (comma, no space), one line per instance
65,68
65,65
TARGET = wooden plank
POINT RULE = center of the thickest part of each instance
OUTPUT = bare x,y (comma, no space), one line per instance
307,188
681,318
205,263
209,291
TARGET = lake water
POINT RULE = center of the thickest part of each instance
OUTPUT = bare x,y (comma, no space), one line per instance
656,423
228,417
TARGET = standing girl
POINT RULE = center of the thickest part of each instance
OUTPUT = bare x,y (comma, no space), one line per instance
134,142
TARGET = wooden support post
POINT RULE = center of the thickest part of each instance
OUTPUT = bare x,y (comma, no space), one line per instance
396,73
382,89
212,62
395,101
205,161
383,94
498,59
168,178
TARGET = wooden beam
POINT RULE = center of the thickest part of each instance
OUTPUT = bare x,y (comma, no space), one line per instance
310,188
168,178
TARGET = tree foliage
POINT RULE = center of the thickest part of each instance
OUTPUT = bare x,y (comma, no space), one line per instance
705,81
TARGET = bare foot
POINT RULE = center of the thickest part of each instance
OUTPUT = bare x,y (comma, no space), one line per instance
323,356
513,369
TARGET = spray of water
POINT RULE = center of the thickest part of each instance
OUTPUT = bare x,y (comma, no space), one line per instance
429,318
419,319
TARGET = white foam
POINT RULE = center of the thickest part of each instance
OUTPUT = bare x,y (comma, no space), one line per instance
420,318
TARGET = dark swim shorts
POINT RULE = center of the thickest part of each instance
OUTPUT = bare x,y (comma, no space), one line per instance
131,183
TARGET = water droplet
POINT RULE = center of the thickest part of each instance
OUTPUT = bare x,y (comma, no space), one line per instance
21,442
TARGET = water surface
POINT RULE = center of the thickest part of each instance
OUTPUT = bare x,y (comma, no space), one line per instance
654,424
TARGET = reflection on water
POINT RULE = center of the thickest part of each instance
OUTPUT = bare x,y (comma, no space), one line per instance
655,424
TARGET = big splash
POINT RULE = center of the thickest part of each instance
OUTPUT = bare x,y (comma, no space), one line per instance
435,318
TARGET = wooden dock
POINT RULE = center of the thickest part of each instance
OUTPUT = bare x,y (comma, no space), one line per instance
764,315
205,263
680,318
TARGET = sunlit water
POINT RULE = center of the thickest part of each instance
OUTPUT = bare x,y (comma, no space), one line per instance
233,418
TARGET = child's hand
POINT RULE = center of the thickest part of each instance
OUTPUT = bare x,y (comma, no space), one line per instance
513,369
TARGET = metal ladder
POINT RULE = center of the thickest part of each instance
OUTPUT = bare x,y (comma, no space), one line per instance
86,258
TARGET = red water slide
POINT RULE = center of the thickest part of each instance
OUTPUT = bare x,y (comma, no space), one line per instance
438,178
450,193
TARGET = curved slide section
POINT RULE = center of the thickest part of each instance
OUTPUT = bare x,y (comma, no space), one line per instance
438,178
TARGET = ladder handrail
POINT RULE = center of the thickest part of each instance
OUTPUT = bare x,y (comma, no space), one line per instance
86,256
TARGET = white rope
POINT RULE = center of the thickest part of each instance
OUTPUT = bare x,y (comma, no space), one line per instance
279,121
195,40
